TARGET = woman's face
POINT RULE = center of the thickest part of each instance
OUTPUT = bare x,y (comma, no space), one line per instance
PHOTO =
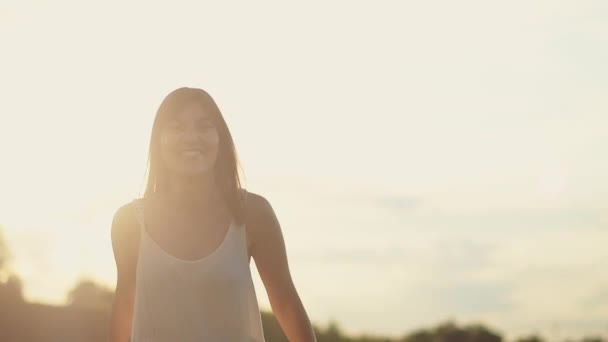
189,141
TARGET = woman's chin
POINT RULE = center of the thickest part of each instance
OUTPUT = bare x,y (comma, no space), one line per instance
192,172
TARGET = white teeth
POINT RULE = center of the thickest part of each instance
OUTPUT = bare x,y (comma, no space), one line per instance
191,153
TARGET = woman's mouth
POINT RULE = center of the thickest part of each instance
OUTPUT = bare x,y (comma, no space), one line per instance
191,153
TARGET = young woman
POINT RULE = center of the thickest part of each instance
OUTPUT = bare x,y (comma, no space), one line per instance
183,250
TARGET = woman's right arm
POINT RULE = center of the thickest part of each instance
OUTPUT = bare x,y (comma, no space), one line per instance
125,244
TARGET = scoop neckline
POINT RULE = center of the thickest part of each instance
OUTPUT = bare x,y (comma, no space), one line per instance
175,258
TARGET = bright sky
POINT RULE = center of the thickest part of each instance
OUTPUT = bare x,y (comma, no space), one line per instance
412,119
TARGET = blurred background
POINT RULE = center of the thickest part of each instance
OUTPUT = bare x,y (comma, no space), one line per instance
436,167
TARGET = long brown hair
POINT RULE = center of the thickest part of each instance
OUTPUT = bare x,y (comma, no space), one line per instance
227,164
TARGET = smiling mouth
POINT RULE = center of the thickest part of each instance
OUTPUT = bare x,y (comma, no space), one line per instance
191,153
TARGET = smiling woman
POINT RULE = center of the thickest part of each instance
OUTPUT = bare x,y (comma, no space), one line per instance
183,250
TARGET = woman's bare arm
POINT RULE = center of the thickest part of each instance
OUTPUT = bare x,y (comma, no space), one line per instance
269,253
125,244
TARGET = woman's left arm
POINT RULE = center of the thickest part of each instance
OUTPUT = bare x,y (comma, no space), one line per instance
268,251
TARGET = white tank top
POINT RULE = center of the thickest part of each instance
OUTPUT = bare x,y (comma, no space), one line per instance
205,300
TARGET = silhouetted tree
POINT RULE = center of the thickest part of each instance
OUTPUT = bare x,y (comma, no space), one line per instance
11,291
88,294
593,339
450,332
530,338
479,333
421,335
333,331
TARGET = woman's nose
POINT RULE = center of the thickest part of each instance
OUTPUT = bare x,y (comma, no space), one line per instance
191,134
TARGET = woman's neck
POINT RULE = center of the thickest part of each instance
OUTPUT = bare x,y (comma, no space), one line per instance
190,193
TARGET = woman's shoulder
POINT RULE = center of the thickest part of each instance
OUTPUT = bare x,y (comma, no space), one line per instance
126,210
263,226
256,205
259,214
125,239
124,220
